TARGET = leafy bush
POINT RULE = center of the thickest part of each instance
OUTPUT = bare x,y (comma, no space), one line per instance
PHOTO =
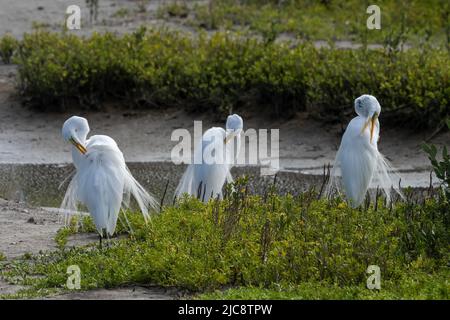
414,285
159,68
8,44
441,168
262,242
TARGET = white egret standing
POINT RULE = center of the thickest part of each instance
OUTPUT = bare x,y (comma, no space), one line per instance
358,158
206,179
102,182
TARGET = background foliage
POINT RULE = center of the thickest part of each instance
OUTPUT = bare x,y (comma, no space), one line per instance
316,20
229,71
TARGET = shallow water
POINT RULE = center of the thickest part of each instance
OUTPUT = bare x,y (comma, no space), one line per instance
42,184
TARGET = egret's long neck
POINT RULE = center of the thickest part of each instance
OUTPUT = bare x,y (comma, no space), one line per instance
82,138
77,157
231,142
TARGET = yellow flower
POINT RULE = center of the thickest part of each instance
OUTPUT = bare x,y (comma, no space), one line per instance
342,205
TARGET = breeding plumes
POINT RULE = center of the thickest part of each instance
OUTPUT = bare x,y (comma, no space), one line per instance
360,163
102,181
213,159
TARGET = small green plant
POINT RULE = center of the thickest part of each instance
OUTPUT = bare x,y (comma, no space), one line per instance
176,9
142,6
121,13
441,167
61,237
8,45
2,256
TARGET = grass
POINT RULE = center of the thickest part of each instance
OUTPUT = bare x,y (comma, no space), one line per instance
319,20
269,246
412,286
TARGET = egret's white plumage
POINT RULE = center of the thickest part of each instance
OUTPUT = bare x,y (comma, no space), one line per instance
216,156
102,181
360,163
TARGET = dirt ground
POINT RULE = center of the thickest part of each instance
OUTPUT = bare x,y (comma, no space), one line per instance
25,229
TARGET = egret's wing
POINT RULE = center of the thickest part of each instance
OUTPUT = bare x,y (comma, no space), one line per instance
101,181
186,182
100,184
69,205
356,161
214,171
229,178
207,175
144,199
386,177
334,183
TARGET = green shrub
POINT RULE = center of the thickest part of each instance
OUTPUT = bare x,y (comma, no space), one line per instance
229,71
8,45
441,167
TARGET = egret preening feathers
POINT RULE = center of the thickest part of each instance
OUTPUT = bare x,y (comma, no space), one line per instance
358,159
215,156
102,181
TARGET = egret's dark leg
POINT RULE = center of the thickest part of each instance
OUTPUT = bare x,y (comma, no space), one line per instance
100,240
101,237
107,238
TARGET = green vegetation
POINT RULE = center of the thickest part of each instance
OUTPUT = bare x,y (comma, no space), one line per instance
174,9
413,285
229,71
121,13
279,246
8,45
321,20
441,167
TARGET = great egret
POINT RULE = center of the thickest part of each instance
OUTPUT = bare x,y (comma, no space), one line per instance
214,154
358,158
102,182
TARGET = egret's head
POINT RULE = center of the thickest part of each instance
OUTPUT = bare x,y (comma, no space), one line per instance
234,126
368,107
75,131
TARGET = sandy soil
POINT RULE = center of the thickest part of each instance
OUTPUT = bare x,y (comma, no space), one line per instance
125,293
118,16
